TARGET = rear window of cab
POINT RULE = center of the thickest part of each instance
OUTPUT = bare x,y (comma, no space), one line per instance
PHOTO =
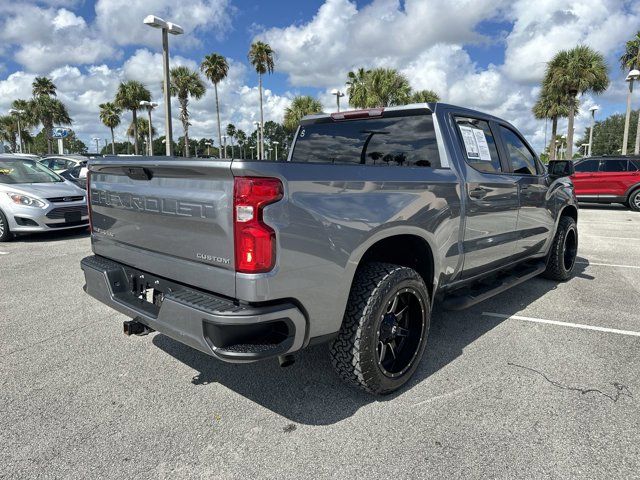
395,142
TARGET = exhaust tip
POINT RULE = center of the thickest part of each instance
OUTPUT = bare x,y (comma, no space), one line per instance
286,360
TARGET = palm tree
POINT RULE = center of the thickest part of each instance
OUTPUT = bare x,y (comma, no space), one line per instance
241,136
215,67
261,57
231,133
9,131
186,83
425,96
550,106
49,111
630,60
357,88
141,128
386,87
110,117
300,106
128,97
574,72
43,86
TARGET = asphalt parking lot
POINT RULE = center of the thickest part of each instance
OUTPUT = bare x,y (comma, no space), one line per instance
541,381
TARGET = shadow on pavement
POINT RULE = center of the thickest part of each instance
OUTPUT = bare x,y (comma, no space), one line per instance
52,236
309,392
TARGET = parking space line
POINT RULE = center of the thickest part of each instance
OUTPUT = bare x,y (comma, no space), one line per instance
4,253
617,238
563,324
607,265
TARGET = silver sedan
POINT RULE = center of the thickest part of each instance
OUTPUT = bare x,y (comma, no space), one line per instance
35,199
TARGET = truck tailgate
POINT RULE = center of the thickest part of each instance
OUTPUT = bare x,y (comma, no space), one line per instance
170,217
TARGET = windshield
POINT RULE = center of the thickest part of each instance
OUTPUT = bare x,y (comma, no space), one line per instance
14,171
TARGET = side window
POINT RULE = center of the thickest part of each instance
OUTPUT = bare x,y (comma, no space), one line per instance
523,161
587,166
634,166
478,144
617,165
69,164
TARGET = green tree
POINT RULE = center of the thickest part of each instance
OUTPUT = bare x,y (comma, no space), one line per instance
607,134
261,56
215,67
299,107
9,131
120,148
357,88
71,143
43,86
425,96
128,97
110,117
231,133
386,87
552,106
241,136
45,109
142,130
574,72
186,83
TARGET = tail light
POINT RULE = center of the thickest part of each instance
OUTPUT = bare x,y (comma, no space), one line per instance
89,200
255,242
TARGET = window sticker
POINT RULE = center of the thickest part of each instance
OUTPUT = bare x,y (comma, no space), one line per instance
475,144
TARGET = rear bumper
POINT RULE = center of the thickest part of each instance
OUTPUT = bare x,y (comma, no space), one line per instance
212,324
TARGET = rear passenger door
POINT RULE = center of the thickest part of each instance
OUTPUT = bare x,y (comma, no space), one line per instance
616,175
536,221
491,198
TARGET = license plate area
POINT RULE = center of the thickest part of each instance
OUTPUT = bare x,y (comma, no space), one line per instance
72,217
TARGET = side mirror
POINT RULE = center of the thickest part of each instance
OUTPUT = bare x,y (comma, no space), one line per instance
561,168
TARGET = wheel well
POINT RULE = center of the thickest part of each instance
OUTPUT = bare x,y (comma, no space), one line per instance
570,211
632,190
405,250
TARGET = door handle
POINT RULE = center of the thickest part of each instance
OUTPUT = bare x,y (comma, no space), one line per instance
478,192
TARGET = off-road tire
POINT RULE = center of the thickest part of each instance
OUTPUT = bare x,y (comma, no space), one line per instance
634,201
5,233
353,351
559,267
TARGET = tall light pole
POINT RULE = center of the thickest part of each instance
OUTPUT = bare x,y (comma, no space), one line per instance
149,106
224,147
631,77
276,145
96,139
167,28
252,148
338,95
17,113
593,111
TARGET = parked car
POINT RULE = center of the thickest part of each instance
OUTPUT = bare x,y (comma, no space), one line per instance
608,180
76,175
59,163
36,199
376,215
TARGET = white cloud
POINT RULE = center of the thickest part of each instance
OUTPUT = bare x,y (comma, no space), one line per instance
66,19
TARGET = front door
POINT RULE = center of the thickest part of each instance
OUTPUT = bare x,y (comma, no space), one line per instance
536,220
585,179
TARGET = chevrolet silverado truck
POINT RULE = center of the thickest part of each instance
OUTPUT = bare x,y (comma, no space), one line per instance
375,215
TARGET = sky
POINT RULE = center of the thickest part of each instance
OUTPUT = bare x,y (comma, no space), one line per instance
484,54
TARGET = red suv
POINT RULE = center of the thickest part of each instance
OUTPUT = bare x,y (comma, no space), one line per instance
608,180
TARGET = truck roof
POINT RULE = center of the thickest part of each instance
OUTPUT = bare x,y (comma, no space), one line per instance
382,111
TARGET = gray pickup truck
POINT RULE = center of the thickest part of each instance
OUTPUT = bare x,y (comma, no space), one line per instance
375,215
